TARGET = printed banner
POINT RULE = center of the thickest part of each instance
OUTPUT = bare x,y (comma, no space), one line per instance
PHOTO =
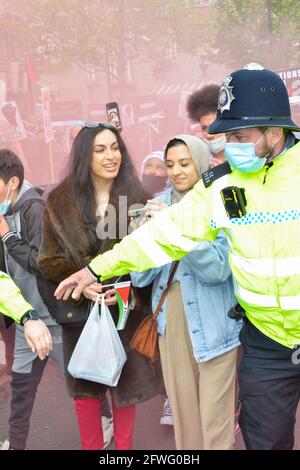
11,124
48,131
291,78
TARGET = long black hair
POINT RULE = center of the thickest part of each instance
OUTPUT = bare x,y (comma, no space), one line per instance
126,182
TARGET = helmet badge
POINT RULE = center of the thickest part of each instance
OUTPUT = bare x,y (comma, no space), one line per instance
225,96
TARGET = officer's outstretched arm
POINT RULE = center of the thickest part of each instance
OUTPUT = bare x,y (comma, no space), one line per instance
173,233
15,306
12,303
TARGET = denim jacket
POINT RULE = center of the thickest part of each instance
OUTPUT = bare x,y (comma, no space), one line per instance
207,291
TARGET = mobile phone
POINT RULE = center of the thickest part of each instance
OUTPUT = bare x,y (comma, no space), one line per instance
234,201
137,212
113,114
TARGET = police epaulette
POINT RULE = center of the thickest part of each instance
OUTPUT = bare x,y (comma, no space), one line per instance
215,173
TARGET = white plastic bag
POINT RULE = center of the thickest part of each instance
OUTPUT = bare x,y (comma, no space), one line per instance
99,355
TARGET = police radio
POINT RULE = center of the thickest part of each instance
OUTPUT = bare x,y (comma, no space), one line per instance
234,201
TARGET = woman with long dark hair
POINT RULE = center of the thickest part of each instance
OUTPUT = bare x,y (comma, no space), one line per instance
85,215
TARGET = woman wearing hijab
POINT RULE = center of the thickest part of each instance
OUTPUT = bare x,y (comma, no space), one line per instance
197,340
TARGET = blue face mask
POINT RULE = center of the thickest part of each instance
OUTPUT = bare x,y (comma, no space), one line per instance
4,206
243,156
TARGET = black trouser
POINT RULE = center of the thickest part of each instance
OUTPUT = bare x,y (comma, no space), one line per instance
270,390
23,389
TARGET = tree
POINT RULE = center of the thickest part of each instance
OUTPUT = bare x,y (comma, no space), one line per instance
103,34
265,31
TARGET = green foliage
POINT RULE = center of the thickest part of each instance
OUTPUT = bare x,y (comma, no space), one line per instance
257,31
89,33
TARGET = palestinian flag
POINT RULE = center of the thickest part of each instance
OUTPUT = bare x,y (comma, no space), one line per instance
122,293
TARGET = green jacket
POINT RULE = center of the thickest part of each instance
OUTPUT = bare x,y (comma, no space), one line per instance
264,244
12,303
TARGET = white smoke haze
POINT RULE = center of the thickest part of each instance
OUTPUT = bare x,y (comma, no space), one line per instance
64,60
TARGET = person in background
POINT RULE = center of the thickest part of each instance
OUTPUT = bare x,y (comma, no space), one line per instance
37,335
21,208
101,176
202,107
197,341
153,171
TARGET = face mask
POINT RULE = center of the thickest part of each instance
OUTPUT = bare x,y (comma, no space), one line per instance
243,156
4,206
216,145
154,184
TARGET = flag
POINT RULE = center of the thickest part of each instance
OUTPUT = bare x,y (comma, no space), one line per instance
122,292
32,72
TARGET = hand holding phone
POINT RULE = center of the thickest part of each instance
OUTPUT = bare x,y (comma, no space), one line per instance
137,218
154,206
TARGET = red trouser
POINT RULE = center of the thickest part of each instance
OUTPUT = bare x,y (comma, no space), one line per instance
88,411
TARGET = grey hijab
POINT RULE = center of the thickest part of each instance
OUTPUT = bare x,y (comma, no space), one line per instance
200,156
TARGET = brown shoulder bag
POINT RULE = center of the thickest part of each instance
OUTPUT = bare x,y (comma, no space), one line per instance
145,338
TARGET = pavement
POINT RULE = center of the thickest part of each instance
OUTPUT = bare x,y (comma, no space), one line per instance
54,426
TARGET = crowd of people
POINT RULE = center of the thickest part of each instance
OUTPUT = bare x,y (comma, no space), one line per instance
217,230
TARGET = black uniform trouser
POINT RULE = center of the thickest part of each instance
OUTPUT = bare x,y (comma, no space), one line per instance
269,378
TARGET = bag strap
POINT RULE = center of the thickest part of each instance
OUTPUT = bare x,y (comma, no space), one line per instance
164,295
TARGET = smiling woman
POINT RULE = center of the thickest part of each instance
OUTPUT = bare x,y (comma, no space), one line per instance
101,172
106,159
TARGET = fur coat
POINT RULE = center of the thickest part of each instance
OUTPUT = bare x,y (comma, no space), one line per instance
65,248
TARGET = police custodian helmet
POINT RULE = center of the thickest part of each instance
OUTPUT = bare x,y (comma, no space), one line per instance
252,97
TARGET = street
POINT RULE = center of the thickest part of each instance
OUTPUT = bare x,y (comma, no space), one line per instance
54,426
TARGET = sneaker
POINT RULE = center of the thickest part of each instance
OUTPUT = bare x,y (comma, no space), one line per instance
5,445
167,417
108,430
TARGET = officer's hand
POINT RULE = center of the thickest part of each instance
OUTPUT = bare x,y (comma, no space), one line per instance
91,292
154,206
74,285
38,337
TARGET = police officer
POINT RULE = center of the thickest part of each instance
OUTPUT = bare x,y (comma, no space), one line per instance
255,198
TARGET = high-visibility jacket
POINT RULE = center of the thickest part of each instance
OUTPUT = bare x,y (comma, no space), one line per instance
264,243
12,303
